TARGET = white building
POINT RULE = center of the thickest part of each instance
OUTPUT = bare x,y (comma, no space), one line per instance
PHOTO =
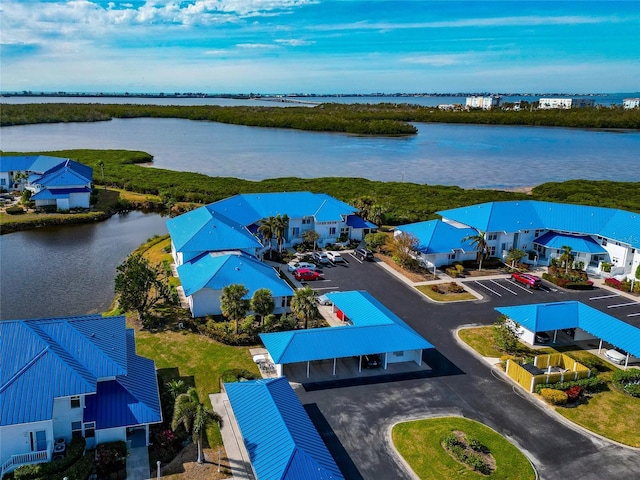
564,103
629,103
485,103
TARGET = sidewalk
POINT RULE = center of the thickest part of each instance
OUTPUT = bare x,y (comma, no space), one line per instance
237,459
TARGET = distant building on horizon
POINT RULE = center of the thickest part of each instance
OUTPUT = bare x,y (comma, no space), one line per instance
485,103
629,103
565,103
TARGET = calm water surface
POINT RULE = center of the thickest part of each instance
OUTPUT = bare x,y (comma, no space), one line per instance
68,270
471,156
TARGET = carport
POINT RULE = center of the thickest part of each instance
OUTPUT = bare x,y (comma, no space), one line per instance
372,329
588,322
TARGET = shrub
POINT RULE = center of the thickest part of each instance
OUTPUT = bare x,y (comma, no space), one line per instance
476,445
436,288
605,266
110,457
628,381
554,397
75,450
453,287
590,385
79,470
237,375
166,444
574,393
15,210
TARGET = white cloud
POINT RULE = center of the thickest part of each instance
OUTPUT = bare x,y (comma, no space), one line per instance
254,45
294,42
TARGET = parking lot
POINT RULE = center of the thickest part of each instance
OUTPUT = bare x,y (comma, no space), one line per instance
354,419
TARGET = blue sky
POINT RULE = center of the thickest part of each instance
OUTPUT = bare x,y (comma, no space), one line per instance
320,46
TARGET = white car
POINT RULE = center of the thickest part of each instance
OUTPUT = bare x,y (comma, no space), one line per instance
323,300
619,357
320,257
293,266
335,257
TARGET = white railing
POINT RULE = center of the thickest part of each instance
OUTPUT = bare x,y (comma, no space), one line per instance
25,459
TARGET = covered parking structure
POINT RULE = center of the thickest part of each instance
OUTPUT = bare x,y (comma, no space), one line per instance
589,323
369,328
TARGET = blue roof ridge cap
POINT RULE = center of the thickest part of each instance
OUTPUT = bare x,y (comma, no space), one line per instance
275,382
22,370
88,377
113,361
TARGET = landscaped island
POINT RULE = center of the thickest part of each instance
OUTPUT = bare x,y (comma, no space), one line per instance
360,119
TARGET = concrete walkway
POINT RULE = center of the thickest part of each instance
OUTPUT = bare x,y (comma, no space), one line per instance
237,457
137,461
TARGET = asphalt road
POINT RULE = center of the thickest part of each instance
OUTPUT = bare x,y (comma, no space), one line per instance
355,421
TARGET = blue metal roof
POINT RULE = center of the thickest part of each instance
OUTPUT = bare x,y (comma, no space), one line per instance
375,329
279,436
354,221
48,194
559,315
520,215
131,399
251,208
33,163
578,243
206,229
436,236
217,270
43,359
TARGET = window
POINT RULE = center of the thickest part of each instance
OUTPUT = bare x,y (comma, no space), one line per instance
76,429
452,256
524,247
525,231
398,354
492,251
3,181
306,221
295,232
604,242
75,402
492,236
538,233
89,429
332,231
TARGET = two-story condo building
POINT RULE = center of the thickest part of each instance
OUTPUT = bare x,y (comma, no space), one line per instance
542,229
485,103
63,377
564,103
220,243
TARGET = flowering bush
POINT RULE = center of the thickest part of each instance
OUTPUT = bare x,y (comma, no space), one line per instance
110,458
574,393
166,444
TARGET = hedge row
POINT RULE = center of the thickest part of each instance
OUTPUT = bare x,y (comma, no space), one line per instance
54,470
590,385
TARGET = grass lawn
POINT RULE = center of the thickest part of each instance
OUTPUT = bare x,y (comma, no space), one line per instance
419,442
196,359
612,414
444,297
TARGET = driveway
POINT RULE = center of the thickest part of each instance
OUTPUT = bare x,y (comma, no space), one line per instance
355,420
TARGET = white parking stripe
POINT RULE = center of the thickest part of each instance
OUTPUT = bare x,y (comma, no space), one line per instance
484,286
357,259
634,315
622,305
325,288
515,284
604,296
502,286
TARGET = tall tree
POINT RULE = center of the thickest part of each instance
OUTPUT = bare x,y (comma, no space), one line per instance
515,255
369,209
194,416
262,303
311,236
402,247
480,243
267,229
304,306
281,227
566,258
233,304
101,165
506,334
140,286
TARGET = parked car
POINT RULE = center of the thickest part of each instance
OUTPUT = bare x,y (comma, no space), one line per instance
371,361
293,266
530,281
619,356
320,257
323,299
306,274
364,254
542,337
335,257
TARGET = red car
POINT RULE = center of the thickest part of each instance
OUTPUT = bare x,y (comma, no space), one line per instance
530,281
306,274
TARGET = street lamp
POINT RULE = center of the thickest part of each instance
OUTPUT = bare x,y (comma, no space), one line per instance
158,465
219,453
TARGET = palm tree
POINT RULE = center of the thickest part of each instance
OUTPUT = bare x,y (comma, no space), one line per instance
481,246
515,255
566,258
267,229
262,303
303,305
311,236
175,388
191,413
281,226
101,165
233,304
